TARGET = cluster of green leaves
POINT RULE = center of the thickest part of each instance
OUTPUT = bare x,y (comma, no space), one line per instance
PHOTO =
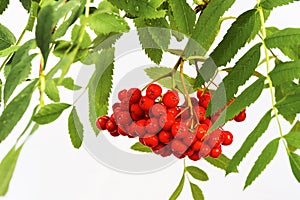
158,22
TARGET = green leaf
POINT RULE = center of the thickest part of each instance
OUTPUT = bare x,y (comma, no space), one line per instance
178,190
100,86
246,98
107,7
3,5
197,173
285,72
208,24
155,72
76,7
184,16
263,160
270,4
238,76
86,41
196,192
293,139
105,41
141,8
33,15
43,30
7,38
250,141
242,29
284,38
221,162
51,90
21,68
154,36
141,148
49,113
15,110
109,23
68,83
26,4
8,51
7,167
295,165
290,105
75,129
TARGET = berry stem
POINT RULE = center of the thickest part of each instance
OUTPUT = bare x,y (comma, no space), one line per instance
264,35
157,79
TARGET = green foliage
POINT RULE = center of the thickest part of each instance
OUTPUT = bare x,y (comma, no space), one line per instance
21,68
68,83
285,72
49,113
156,72
154,36
179,188
295,165
141,8
270,4
32,15
250,141
196,192
100,86
197,173
246,98
238,76
75,129
7,38
293,139
221,162
14,111
141,148
183,15
3,5
263,160
51,91
7,167
26,4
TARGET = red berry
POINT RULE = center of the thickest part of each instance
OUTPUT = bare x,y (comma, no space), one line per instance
189,152
111,126
140,127
121,131
135,109
101,122
134,95
116,106
216,152
173,111
114,133
200,112
131,130
166,122
204,98
214,139
201,131
189,139
122,94
153,91
158,110
125,105
146,103
195,156
227,138
123,118
179,130
185,114
170,99
178,147
142,141
153,126
240,117
165,137
207,121
151,140
205,150
197,145
158,148
166,151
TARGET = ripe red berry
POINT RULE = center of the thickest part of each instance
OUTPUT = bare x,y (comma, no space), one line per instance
101,122
197,145
178,147
153,91
170,99
204,98
200,112
123,118
179,130
216,152
166,151
166,122
227,138
131,130
114,133
121,131
195,156
205,150
150,140
153,126
122,94
165,137
158,148
140,128
125,105
135,109
158,110
214,139
201,131
240,117
146,103
134,95
173,111
189,139
111,126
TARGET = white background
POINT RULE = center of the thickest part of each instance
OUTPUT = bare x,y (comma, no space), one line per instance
50,168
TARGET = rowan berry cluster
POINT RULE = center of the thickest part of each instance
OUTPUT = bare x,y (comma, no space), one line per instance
164,126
